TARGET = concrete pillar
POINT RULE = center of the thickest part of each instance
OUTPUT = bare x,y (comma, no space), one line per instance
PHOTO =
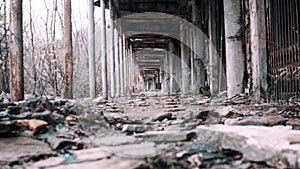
117,64
170,65
185,70
103,51
121,53
91,51
258,47
147,83
124,65
112,53
235,57
214,64
166,73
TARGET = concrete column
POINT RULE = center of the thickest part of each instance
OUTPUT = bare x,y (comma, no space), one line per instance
170,65
117,64
112,54
214,64
121,53
91,51
258,47
147,83
235,57
124,65
185,70
166,73
130,69
103,50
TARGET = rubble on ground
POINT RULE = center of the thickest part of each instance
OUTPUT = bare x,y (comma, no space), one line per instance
150,131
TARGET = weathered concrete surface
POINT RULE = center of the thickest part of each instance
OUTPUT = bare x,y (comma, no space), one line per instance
112,163
14,148
53,161
114,140
163,136
269,144
146,149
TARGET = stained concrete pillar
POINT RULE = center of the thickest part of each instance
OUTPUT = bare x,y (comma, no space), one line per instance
91,51
198,47
121,53
125,74
214,64
185,70
170,65
258,47
112,53
235,57
117,63
103,50
166,73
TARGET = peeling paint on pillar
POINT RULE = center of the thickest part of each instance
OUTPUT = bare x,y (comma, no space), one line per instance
16,51
258,47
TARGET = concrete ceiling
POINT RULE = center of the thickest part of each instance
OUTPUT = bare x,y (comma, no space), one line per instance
146,33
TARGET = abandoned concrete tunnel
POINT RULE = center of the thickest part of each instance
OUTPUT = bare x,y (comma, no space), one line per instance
184,84
182,46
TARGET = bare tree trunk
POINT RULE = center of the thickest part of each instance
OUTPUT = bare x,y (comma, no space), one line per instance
16,51
55,86
4,70
68,75
34,71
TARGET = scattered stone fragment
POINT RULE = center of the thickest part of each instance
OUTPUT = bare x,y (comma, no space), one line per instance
9,127
195,160
163,136
176,109
91,154
114,140
163,116
33,124
227,111
263,121
134,128
140,150
268,144
71,120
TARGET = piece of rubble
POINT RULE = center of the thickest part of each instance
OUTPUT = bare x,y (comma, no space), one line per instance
114,140
227,111
10,127
91,154
71,120
267,144
263,121
134,128
163,116
33,124
176,109
164,136
138,150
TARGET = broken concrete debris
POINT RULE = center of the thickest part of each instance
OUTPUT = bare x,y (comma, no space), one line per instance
178,131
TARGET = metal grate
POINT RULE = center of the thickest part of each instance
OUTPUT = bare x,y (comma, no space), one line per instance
284,43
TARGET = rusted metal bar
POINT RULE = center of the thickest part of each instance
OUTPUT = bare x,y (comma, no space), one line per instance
284,58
